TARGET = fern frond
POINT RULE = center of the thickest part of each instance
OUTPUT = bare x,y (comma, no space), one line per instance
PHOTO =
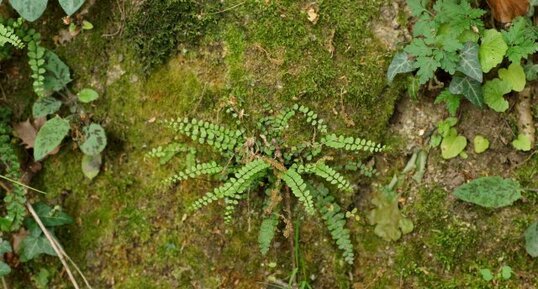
220,138
335,221
7,35
165,154
351,143
232,189
324,171
15,199
36,60
267,232
193,172
311,117
298,187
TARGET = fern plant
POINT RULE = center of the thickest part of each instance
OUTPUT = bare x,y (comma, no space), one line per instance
283,170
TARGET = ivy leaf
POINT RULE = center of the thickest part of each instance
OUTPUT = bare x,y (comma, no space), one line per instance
470,88
50,136
33,246
494,90
452,145
489,192
531,239
50,217
514,75
87,95
29,9
522,143
70,6
95,140
401,63
492,49
481,144
469,64
91,165
45,106
452,101
57,74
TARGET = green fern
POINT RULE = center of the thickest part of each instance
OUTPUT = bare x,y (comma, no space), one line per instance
351,143
298,187
335,221
166,153
311,117
7,35
267,232
220,138
36,55
327,173
235,186
15,199
193,172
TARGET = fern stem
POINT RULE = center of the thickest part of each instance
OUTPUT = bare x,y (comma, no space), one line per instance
287,202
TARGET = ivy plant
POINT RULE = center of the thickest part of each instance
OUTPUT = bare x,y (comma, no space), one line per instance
266,158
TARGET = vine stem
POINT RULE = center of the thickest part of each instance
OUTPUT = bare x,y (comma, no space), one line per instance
287,201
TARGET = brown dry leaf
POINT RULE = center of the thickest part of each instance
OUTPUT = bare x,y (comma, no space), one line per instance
26,132
506,10
17,239
312,13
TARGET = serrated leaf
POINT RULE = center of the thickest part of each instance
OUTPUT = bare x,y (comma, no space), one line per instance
71,6
470,88
427,67
87,95
453,145
50,136
481,144
522,143
95,140
33,246
29,9
494,90
45,106
489,192
514,75
451,100
401,63
531,239
492,49
417,7
91,165
57,74
469,64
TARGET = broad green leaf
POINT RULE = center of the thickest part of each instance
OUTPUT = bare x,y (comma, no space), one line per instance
470,88
91,165
5,247
469,64
481,144
57,74
401,63
531,239
51,217
506,272
45,106
522,143
70,6
29,9
33,246
492,49
453,145
514,75
50,136
489,192
487,275
95,140
87,95
494,90
4,269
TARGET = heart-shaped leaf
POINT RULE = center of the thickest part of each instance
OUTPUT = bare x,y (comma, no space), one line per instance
494,90
29,9
50,136
70,6
492,49
522,143
453,145
514,75
481,144
95,140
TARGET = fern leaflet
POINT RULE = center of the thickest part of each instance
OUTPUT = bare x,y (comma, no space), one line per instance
298,187
7,35
324,171
193,172
267,232
351,143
